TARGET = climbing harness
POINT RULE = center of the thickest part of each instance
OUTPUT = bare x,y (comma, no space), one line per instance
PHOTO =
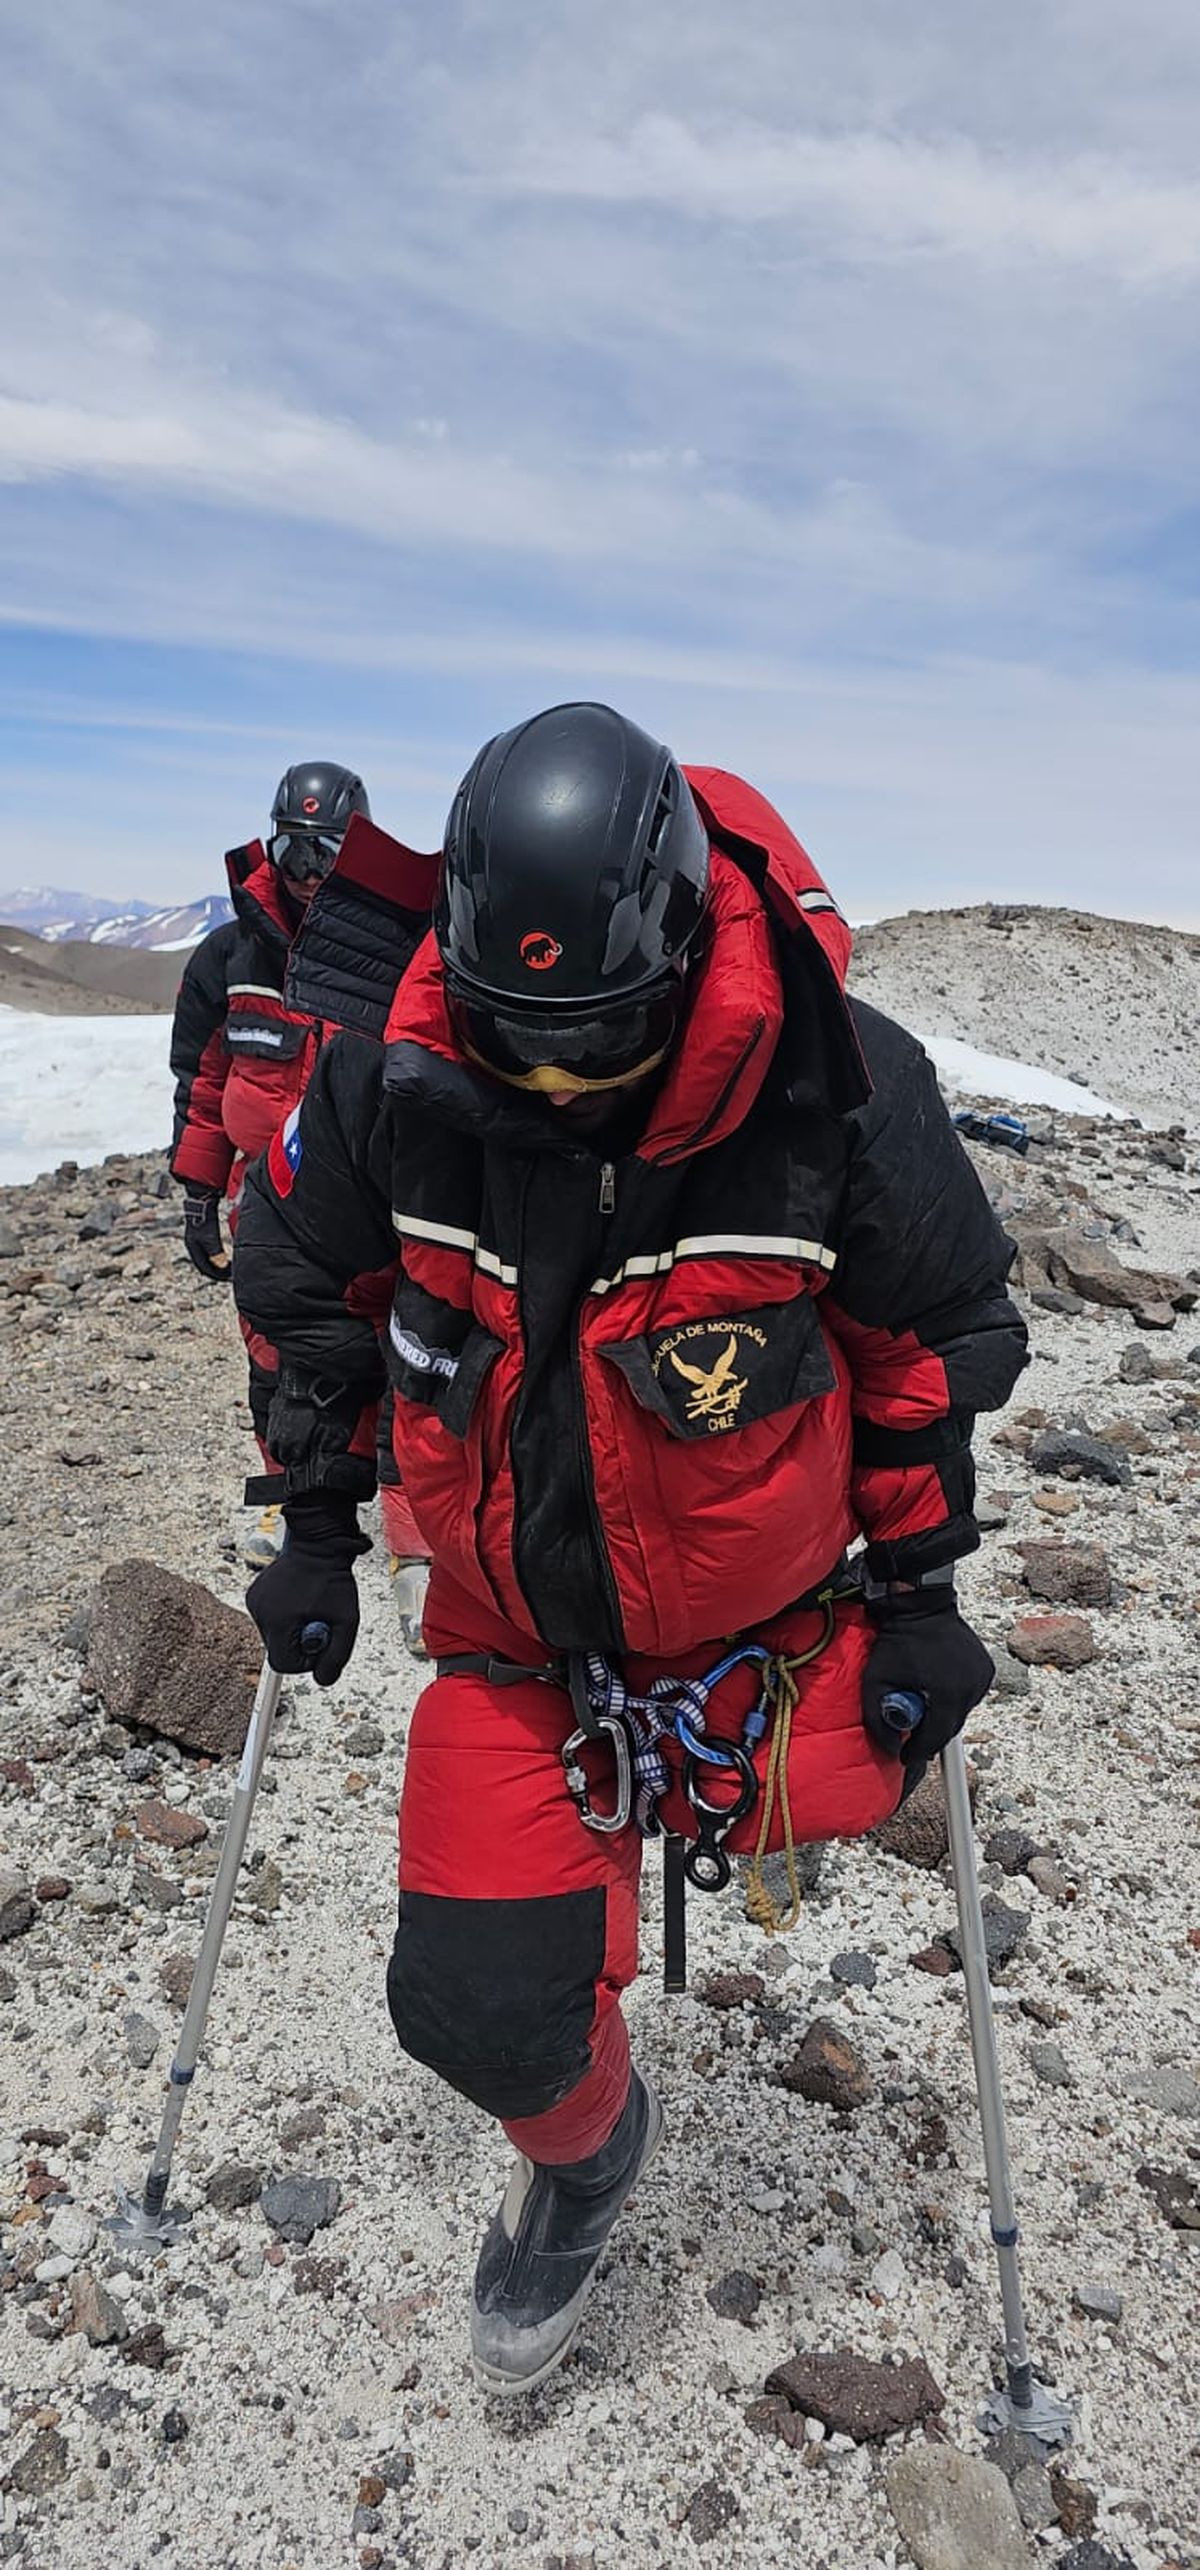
609,1709
634,1726
638,1724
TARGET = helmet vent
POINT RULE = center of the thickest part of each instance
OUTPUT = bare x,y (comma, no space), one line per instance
661,814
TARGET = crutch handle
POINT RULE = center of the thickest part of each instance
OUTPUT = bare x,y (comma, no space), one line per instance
903,1710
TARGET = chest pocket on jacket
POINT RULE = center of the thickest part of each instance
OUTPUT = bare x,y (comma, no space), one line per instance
706,1378
264,1039
438,1356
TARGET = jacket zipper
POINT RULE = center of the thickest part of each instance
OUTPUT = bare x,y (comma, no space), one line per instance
515,1421
607,1204
607,1581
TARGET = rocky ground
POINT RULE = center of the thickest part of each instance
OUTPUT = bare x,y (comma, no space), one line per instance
1108,1002
289,2386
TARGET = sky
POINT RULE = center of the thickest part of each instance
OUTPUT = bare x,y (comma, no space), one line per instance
817,385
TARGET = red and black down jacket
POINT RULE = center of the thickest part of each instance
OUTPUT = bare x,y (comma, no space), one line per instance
240,1058
644,1401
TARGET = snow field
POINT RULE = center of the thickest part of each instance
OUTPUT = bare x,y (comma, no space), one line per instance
74,1088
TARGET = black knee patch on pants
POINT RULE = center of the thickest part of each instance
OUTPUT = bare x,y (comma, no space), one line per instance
498,1996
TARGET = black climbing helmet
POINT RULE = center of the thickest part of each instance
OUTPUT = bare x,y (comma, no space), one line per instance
312,806
573,882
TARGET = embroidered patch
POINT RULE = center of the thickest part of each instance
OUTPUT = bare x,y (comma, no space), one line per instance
284,1155
441,1372
427,1360
716,1389
702,1378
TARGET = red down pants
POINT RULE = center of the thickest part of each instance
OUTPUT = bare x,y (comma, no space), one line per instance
518,1925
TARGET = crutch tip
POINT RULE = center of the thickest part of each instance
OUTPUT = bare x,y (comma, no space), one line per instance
139,2229
1049,2420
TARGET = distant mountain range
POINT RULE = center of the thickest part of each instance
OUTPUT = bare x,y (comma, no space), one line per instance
57,916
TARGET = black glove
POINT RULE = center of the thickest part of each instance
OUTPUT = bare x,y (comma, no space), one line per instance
311,1582
202,1234
923,1647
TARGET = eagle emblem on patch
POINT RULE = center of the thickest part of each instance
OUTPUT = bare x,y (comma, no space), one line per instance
716,1360
717,1391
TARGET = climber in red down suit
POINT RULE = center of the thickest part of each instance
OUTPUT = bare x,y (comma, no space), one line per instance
692,1286
242,1059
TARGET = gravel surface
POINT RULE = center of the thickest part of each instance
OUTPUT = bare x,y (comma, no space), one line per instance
1108,1002
258,2397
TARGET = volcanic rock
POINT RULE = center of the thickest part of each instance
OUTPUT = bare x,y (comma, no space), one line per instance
856,2396
1177,2196
42,2465
1053,1641
1067,1574
735,2296
167,1826
232,2185
164,1652
1079,1457
1003,1931
295,2207
96,2312
18,1908
828,2069
918,1833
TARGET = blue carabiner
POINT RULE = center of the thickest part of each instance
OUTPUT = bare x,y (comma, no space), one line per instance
734,1659
694,1747
756,1720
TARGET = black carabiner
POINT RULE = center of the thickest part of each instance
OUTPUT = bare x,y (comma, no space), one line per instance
706,1864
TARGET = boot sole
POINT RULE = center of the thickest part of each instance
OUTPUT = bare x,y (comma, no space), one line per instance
507,2386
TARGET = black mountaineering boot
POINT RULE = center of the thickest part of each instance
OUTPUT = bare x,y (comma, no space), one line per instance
539,2259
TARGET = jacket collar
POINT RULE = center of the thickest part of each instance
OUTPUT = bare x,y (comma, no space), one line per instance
770,988
258,897
730,1032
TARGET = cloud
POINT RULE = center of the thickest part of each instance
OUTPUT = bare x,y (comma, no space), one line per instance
888,197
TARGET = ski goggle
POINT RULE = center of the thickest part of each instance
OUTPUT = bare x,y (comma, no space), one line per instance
301,853
608,1051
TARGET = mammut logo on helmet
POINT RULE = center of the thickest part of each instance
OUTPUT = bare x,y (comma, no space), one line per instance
311,804
539,950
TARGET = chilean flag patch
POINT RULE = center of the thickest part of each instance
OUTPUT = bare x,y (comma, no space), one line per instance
285,1154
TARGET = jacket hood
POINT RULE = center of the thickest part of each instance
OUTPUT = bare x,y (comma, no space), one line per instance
258,896
770,982
743,822
823,1059
728,1036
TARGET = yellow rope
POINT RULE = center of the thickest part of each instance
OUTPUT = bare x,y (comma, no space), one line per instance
779,1684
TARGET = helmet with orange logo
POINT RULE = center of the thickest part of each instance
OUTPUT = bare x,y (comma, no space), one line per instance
573,885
